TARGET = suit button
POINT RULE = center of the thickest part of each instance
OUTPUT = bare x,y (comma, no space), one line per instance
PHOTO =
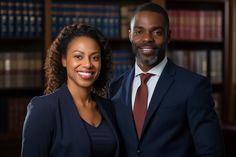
139,151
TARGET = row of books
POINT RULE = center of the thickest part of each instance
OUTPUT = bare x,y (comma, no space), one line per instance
105,16
13,112
126,12
20,69
197,61
24,18
122,61
205,25
24,69
196,24
21,18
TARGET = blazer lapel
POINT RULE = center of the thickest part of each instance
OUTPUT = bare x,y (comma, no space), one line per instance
73,124
165,81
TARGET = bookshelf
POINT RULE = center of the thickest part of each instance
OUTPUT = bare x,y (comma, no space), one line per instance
218,48
209,54
21,50
199,41
21,59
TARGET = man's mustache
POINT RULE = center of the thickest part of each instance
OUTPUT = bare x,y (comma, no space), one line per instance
153,46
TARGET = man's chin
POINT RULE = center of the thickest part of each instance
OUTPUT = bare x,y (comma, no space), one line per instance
150,62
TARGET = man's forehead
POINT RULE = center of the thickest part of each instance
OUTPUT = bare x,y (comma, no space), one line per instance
148,18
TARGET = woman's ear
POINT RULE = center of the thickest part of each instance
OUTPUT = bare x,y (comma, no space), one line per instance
63,61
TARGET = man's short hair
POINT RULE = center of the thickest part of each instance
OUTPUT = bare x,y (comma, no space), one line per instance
150,6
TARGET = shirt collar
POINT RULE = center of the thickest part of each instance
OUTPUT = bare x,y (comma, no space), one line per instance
156,70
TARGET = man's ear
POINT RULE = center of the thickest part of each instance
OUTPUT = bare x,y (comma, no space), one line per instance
63,61
130,37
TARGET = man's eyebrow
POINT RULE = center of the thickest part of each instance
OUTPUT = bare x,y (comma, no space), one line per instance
158,27
138,27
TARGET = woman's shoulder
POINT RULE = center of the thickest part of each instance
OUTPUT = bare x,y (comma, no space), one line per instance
46,101
46,98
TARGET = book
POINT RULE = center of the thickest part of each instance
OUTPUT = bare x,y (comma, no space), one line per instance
216,66
203,25
122,61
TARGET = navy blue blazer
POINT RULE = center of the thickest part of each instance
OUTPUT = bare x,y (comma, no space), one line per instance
53,127
180,121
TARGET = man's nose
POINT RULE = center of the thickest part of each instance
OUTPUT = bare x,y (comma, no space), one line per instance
147,36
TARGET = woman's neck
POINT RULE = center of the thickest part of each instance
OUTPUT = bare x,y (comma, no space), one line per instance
81,96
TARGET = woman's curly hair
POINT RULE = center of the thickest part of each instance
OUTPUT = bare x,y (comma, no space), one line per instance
55,73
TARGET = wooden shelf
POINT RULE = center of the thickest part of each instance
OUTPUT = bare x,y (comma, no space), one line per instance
197,44
13,92
9,136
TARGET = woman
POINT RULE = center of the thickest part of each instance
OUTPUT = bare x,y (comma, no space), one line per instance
72,119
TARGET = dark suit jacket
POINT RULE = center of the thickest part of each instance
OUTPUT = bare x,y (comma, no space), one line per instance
53,127
180,120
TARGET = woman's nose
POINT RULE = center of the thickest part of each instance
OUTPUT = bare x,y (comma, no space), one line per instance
87,63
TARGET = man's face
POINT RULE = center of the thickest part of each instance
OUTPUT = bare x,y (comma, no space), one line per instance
149,37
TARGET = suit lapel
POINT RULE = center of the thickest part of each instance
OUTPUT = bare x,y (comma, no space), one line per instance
165,81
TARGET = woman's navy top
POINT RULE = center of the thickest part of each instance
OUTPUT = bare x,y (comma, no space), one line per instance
102,139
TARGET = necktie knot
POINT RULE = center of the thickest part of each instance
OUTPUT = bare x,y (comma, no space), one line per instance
145,77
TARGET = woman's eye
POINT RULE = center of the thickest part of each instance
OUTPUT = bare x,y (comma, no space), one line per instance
96,57
78,57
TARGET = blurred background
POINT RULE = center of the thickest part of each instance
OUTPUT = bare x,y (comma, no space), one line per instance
203,40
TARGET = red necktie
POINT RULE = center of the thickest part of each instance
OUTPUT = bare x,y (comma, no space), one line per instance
140,103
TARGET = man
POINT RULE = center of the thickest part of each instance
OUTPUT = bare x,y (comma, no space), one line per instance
179,119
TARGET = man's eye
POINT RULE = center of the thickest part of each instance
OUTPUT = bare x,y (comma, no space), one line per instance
157,33
137,32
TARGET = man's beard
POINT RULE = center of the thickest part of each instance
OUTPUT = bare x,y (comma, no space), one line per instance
147,61
150,61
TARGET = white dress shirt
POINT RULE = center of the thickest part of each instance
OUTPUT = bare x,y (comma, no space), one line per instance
156,71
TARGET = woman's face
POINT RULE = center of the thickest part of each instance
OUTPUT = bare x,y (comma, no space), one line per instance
82,62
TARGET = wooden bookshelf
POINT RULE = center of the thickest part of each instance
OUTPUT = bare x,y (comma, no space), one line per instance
199,40
21,74
226,90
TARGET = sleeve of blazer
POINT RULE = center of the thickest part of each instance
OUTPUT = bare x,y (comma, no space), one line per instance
203,121
37,130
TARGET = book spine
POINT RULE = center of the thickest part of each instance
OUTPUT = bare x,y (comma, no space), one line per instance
10,21
4,19
38,14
